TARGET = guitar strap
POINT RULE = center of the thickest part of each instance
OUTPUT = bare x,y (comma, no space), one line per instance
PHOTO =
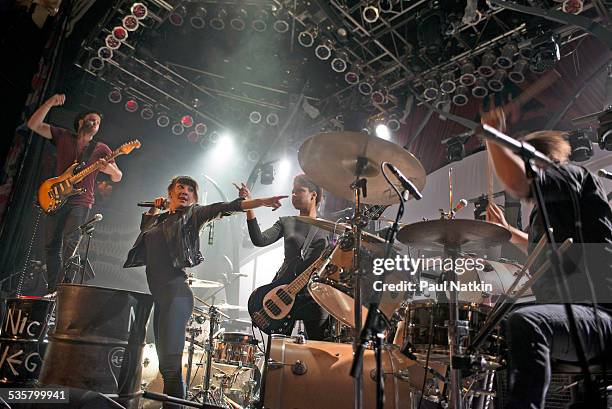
312,231
88,152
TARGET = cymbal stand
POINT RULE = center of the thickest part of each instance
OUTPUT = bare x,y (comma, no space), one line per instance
456,330
190,349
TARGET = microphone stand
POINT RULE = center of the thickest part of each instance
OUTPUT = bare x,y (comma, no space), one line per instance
84,230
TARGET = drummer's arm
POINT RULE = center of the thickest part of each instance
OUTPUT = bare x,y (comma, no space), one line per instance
519,238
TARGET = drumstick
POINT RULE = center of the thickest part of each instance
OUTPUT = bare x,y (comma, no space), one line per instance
450,188
530,260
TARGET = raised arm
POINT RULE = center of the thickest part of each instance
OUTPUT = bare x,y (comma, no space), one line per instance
204,214
36,121
262,239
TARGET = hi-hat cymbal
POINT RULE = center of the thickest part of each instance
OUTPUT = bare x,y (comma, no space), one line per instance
226,306
330,160
197,283
453,233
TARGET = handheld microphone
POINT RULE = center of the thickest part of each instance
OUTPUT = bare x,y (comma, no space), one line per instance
89,223
406,184
151,204
462,203
602,173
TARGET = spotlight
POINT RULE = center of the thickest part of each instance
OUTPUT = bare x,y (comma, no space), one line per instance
139,10
307,37
130,23
147,113
506,57
119,33
218,22
443,101
193,136
111,42
339,62
163,120
365,87
486,64
386,6
324,51
96,64
496,83
177,16
370,14
187,121
178,129
266,175
461,96
431,89
253,156
115,96
200,128
280,26
198,21
447,84
351,77
255,117
378,97
480,89
393,123
516,75
259,21
573,6
105,53
545,54
382,131
131,105
604,132
237,22
214,136
467,74
455,150
272,119
525,51
582,147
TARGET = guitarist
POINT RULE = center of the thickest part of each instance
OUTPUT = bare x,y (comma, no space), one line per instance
60,234
305,198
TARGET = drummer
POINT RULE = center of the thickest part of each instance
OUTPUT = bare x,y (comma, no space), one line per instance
539,333
306,198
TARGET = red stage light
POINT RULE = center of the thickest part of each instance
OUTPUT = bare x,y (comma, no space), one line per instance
139,10
120,33
131,105
187,121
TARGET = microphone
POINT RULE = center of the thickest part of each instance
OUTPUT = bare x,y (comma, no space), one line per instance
406,184
91,222
602,173
151,204
462,203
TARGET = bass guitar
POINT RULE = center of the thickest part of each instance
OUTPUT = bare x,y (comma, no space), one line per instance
54,192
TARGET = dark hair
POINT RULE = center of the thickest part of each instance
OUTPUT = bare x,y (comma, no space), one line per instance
304,181
184,180
82,115
553,144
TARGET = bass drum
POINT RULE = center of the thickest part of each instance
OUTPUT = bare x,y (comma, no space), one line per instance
316,375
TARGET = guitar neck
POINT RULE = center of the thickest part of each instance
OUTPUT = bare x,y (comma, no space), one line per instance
300,281
93,167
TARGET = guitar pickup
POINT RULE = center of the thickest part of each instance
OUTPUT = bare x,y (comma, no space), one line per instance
284,296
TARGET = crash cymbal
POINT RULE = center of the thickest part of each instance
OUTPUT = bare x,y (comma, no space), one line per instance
338,228
197,283
330,160
226,306
453,233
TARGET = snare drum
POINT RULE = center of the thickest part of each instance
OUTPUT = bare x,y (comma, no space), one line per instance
236,348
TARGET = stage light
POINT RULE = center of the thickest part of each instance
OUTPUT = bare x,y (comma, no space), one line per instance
506,57
139,10
178,129
496,83
225,143
393,123
177,16
96,63
516,75
120,33
351,77
486,64
284,168
214,137
604,131
162,120
455,150
200,128
111,42
147,113
131,105
365,87
431,89
383,132
187,121
545,54
443,101
480,89
461,96
255,117
386,6
130,23
272,119
115,96
370,14
378,97
447,83
582,147
193,136
198,20
237,22
573,6
339,62
307,37
105,53
259,21
467,77
280,26
218,22
266,174
253,156
324,51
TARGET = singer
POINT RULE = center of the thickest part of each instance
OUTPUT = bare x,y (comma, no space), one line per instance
168,243
61,228
577,207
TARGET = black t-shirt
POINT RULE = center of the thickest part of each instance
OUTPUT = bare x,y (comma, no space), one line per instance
573,194
159,269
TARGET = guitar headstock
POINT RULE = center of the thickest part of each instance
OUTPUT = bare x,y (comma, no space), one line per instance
129,146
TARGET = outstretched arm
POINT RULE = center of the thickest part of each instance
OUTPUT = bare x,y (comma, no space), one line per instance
36,121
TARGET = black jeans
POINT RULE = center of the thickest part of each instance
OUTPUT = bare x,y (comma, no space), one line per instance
173,307
538,333
316,319
61,239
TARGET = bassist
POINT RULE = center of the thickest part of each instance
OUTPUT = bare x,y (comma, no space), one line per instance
60,234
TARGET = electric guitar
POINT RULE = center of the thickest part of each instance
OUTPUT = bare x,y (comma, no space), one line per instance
271,306
54,192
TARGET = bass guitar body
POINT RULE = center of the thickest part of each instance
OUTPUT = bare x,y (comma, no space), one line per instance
271,307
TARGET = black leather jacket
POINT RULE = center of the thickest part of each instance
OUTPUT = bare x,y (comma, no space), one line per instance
182,237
